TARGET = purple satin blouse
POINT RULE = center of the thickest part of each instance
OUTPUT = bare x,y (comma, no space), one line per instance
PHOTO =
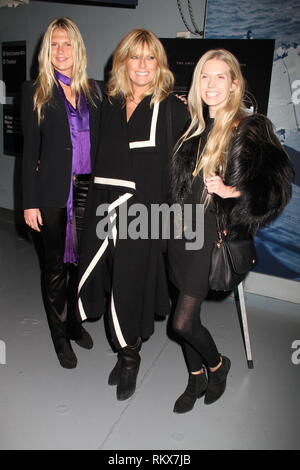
81,157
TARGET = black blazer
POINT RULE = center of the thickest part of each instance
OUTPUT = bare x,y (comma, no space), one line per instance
47,151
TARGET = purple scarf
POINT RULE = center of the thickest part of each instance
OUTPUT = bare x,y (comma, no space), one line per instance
81,157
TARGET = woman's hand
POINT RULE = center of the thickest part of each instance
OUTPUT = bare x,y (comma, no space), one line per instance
214,185
183,98
33,218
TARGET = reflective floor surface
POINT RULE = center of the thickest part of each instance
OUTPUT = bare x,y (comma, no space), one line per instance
43,406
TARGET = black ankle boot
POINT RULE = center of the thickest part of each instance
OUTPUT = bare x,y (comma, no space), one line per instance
217,382
65,353
114,376
196,388
81,337
130,363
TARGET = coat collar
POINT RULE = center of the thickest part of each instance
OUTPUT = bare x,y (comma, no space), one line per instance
94,114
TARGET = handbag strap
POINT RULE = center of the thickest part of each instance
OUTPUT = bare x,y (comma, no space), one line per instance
218,220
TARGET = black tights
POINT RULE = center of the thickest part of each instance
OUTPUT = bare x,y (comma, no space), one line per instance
199,346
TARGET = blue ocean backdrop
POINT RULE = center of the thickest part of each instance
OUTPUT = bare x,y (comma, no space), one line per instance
269,19
277,244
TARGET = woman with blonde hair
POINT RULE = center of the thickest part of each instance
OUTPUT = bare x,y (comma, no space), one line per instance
141,121
60,119
232,162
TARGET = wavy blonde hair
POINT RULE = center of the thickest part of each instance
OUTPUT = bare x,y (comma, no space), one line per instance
119,83
213,158
46,78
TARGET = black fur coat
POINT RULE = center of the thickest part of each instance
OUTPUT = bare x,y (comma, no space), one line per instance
260,170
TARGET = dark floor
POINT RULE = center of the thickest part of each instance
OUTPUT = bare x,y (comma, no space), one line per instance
43,406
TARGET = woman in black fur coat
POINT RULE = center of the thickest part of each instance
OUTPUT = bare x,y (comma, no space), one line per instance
230,160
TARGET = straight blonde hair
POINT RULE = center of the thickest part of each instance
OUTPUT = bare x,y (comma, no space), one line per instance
46,78
214,156
119,83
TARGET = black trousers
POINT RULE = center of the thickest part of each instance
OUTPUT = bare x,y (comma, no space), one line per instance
59,279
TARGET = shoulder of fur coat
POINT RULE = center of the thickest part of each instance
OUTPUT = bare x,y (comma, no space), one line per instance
259,169
182,167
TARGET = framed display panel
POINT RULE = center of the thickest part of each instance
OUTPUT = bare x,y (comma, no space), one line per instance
183,55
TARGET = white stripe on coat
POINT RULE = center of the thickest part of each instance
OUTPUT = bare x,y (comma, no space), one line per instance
112,215
151,141
114,182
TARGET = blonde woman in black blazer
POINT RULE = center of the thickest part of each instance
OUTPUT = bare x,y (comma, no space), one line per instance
60,120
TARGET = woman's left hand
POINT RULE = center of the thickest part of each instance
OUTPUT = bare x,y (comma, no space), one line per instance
183,98
214,185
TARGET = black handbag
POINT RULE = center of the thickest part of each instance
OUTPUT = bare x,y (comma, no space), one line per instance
231,260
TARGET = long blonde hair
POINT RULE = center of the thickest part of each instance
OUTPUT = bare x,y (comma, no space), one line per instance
119,83
213,157
46,78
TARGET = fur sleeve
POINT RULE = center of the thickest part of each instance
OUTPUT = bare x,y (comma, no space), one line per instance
261,170
182,166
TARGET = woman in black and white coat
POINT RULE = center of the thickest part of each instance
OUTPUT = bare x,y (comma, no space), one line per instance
141,122
230,160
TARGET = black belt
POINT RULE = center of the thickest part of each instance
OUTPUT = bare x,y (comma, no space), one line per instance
81,177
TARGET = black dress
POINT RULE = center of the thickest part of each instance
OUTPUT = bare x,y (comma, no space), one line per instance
131,168
260,170
189,269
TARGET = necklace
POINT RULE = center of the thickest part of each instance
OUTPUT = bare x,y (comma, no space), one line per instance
197,164
133,101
